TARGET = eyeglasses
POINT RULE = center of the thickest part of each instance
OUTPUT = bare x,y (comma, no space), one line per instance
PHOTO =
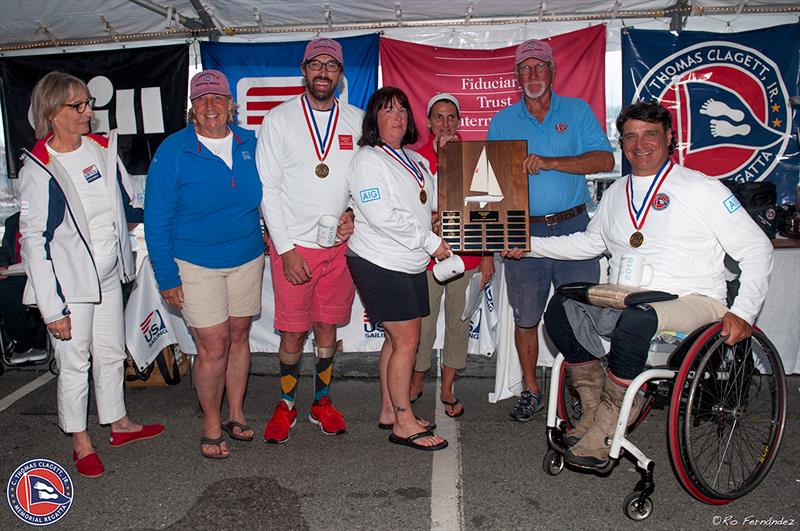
525,70
81,106
330,66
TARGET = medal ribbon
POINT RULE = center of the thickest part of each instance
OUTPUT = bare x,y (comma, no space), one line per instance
321,145
406,162
638,216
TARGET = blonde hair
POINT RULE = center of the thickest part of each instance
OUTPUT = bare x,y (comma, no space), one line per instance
192,119
49,95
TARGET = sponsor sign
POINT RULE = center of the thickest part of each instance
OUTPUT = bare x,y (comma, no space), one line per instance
141,92
264,75
728,95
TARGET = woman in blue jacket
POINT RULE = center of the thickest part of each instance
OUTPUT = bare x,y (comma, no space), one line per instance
204,240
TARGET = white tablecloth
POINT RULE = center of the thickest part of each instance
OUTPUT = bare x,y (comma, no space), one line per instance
779,319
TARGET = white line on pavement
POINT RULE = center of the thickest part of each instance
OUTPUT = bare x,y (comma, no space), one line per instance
447,498
29,387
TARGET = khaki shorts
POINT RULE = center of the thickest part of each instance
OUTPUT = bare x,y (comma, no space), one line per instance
688,313
210,296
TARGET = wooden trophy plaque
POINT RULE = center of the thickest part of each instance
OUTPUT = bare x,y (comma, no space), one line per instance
483,196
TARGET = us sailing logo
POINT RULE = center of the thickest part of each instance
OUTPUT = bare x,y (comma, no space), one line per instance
730,108
40,492
153,327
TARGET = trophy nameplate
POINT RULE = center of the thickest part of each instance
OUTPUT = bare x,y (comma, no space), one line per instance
483,196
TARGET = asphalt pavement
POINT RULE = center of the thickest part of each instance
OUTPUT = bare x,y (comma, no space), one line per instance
490,477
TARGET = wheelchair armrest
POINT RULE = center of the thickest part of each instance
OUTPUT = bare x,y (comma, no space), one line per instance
676,358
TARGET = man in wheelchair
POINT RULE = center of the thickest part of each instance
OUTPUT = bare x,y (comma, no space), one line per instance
681,223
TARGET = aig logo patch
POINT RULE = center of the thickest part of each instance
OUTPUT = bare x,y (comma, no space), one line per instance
370,194
729,105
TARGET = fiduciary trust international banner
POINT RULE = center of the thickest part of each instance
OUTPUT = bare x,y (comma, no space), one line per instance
484,80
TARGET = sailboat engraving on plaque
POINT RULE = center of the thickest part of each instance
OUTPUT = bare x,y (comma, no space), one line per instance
483,195
484,180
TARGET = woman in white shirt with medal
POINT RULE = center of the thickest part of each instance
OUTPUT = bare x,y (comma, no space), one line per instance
394,195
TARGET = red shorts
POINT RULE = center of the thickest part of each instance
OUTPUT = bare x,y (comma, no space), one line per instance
327,298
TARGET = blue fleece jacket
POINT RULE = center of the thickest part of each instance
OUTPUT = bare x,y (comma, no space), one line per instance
199,210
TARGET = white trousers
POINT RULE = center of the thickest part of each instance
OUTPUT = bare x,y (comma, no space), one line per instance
98,340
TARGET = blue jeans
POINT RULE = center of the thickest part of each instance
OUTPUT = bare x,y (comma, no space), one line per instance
528,280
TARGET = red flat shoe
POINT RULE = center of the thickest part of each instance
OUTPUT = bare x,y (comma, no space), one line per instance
148,431
89,466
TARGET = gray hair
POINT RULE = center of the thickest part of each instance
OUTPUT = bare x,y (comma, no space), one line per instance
49,95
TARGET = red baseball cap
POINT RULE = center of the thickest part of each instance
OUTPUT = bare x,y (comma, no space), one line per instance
323,45
209,82
535,49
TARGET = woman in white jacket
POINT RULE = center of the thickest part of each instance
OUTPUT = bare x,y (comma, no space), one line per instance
76,251
393,193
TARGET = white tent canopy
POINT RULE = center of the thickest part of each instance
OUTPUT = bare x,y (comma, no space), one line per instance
27,25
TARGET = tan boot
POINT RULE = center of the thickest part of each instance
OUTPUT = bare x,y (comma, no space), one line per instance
592,450
588,379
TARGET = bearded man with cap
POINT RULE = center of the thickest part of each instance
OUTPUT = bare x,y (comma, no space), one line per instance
204,239
304,150
565,142
444,113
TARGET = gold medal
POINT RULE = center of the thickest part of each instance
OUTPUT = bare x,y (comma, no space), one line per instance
322,170
423,197
637,238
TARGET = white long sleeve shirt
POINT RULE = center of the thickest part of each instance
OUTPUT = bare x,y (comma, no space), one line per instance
693,222
294,197
392,225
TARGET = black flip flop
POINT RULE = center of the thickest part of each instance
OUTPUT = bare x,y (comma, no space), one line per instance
409,441
389,426
453,404
228,427
213,442
419,395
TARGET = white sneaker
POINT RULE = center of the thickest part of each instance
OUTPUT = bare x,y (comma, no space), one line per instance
37,354
30,355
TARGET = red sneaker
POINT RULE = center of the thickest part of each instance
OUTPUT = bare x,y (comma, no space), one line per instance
327,417
148,431
284,419
89,466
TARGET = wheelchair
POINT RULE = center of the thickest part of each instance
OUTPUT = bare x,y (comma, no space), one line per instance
7,348
727,413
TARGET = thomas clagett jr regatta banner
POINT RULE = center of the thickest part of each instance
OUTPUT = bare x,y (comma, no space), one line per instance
729,98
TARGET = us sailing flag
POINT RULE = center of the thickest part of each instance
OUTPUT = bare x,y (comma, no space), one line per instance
264,75
729,98
140,92
484,80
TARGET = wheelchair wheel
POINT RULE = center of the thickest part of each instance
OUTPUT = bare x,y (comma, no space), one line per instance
727,415
635,509
553,463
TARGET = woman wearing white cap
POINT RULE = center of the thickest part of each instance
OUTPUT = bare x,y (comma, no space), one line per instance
204,239
443,119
